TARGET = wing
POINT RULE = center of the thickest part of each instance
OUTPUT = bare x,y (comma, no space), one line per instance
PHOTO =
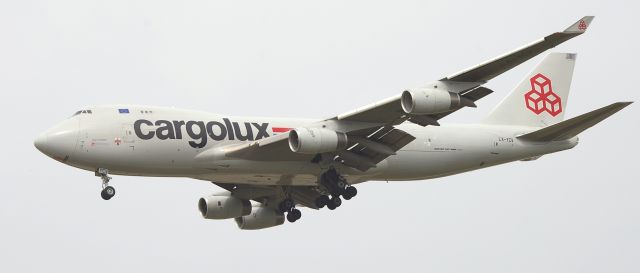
492,68
370,129
464,82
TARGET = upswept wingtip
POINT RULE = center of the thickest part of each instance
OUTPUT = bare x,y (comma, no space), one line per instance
581,25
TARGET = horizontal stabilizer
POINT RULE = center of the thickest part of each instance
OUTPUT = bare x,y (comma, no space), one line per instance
572,127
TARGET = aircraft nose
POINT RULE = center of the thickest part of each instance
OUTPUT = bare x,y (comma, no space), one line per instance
40,142
58,142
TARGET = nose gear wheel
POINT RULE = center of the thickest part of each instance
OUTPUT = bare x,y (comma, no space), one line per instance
107,191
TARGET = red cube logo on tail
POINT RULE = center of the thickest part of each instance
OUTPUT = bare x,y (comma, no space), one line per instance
582,26
541,97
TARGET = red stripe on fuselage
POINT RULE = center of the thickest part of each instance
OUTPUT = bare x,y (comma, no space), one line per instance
280,129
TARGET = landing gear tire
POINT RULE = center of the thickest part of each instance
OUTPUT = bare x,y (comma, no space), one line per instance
297,214
108,192
322,201
290,217
350,192
294,215
335,202
286,205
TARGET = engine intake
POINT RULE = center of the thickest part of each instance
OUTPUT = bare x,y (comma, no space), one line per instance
223,207
260,218
316,140
432,101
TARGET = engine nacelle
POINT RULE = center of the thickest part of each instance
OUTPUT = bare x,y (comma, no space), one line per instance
260,218
431,101
316,140
223,207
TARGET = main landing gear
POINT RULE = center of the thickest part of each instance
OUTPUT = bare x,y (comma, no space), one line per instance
287,205
337,186
333,183
107,191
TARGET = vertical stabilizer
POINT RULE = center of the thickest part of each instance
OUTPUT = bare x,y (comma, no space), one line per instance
541,97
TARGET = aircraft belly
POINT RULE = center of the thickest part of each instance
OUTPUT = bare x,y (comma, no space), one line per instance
441,151
261,179
421,165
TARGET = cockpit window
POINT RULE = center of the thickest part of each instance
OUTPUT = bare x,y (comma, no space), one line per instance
82,112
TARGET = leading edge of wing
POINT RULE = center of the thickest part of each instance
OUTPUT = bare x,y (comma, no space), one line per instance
494,67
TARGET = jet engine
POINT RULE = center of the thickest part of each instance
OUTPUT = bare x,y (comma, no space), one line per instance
431,101
223,207
316,140
260,217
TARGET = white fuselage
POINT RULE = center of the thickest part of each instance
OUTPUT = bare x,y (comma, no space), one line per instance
134,144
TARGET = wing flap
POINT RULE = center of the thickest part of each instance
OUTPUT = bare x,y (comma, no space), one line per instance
390,137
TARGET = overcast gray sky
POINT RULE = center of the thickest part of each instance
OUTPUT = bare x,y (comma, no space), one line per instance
575,211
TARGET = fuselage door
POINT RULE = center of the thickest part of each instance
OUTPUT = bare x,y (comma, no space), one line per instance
128,138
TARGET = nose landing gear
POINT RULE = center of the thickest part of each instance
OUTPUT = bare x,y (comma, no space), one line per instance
107,191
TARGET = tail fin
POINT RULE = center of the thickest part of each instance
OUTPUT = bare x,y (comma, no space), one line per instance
572,127
541,98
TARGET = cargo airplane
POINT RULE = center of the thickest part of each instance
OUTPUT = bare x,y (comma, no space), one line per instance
271,167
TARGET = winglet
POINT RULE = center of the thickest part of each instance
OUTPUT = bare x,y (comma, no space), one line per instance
581,25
